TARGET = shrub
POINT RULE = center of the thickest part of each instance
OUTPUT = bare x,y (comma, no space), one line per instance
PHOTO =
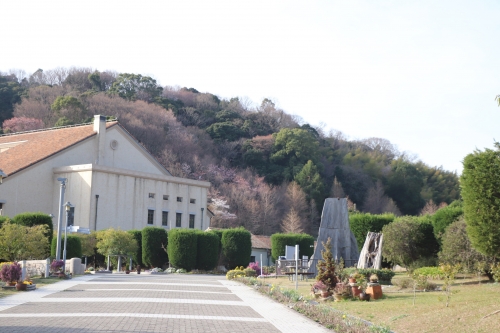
384,275
279,241
362,223
33,219
237,247
404,283
255,267
11,273
3,219
326,267
154,242
249,272
137,257
430,272
207,250
73,247
56,266
171,270
182,248
181,270
235,273
446,216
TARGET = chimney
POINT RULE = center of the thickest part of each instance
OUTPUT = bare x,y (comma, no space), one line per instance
100,128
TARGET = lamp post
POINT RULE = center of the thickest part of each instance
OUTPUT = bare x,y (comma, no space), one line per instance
59,221
68,206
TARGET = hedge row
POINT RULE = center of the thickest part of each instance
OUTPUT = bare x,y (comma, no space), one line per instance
362,223
182,248
73,247
154,242
137,258
279,241
237,247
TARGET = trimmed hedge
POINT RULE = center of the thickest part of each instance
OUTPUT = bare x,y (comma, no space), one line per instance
208,250
279,241
384,275
182,248
73,247
237,247
362,223
153,255
444,217
32,219
137,258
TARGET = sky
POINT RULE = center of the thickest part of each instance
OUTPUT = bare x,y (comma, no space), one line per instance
422,74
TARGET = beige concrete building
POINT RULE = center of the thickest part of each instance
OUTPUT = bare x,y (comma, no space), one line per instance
112,180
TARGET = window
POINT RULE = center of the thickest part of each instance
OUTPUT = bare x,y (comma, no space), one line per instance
179,199
191,221
71,216
252,259
151,195
192,201
165,197
164,218
151,216
178,218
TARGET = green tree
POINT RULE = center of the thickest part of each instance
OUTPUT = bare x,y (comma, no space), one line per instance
10,94
69,107
404,186
292,149
32,219
480,184
445,216
135,86
225,131
116,242
311,183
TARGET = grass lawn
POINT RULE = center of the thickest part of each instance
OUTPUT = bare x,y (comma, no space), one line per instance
465,313
38,281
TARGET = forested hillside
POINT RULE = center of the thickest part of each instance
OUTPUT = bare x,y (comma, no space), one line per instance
270,170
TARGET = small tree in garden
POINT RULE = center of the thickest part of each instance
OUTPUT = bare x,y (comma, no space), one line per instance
326,266
116,242
449,273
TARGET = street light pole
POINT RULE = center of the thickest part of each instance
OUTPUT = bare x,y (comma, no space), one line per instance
68,206
59,221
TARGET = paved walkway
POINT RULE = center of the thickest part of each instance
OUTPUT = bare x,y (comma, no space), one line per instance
148,303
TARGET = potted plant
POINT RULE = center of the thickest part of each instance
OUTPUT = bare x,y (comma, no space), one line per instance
362,288
341,291
356,276
56,267
322,288
10,274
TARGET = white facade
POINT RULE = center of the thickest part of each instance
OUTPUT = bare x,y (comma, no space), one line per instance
111,180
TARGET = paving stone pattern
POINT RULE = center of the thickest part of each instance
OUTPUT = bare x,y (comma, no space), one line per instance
148,303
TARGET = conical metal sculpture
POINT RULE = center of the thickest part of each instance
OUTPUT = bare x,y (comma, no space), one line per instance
335,225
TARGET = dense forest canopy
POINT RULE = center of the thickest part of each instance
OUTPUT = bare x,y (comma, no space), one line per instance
270,170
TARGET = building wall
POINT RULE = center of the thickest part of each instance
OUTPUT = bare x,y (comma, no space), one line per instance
267,260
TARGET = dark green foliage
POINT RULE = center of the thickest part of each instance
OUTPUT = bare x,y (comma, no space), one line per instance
182,248
10,94
311,183
208,250
136,86
137,258
279,241
446,216
404,186
384,275
225,131
362,223
154,239
409,239
480,184
326,266
32,219
73,247
237,247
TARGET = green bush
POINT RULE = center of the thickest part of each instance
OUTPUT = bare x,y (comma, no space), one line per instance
446,216
137,257
250,272
279,241
384,275
153,255
235,273
73,247
237,247
430,272
362,223
182,248
208,250
3,219
32,219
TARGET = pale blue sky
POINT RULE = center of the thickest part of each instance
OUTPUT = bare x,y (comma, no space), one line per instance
422,74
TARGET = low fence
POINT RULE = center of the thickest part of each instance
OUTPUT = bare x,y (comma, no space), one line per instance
42,267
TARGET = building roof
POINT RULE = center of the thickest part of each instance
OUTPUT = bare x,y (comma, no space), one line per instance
28,148
261,242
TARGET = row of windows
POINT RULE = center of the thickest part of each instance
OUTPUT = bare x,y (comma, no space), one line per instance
165,197
164,218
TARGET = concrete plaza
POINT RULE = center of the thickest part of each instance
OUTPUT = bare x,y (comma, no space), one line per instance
148,303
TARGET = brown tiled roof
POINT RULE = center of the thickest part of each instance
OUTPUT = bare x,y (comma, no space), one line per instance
40,145
261,242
